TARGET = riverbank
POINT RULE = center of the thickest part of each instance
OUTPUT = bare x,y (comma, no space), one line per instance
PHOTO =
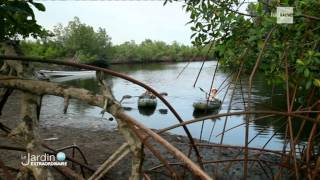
199,59
39,66
99,143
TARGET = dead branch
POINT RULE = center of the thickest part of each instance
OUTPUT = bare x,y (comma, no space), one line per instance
122,151
207,118
112,107
247,119
116,74
27,132
48,88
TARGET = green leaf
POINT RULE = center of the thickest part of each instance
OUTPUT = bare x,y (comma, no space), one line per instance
260,44
308,84
300,62
39,6
306,73
193,35
316,82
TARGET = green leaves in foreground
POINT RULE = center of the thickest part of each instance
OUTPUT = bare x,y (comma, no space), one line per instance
233,30
17,19
307,69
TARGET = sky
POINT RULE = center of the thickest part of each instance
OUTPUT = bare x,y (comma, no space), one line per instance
123,20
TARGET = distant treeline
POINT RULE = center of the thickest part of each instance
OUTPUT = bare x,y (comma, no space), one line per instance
80,42
154,51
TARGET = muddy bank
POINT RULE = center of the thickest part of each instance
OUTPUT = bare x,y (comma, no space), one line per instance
101,138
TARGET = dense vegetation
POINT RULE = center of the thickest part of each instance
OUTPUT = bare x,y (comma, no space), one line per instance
255,39
78,41
149,51
17,19
237,38
288,55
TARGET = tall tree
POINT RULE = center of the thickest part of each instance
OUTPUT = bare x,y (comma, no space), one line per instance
83,42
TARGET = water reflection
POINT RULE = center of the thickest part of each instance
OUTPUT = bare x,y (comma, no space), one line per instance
89,84
146,111
198,113
182,95
130,68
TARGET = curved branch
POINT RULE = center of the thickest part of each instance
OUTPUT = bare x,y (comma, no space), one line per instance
310,17
205,118
120,75
43,87
48,88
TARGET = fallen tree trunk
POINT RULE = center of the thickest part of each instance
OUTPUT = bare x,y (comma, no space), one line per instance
112,107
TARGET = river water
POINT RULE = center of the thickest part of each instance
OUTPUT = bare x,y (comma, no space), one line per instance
181,95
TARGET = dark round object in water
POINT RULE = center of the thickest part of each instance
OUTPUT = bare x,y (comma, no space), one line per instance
99,63
207,106
127,108
147,111
147,101
201,113
163,111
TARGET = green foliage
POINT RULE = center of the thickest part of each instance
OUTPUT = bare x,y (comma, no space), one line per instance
82,42
17,19
48,49
233,32
151,51
307,69
76,41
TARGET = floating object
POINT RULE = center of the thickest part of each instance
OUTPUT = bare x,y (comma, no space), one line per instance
127,108
146,111
147,101
201,113
207,106
164,94
50,74
147,104
163,111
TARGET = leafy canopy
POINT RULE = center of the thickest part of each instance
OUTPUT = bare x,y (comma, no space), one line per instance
17,19
234,32
148,51
82,41
76,40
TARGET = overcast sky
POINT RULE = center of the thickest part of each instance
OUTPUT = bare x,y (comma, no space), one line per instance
123,20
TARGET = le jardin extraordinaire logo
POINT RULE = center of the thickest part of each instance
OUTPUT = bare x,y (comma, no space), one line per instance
44,159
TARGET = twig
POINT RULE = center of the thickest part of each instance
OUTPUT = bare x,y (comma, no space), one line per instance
255,68
113,73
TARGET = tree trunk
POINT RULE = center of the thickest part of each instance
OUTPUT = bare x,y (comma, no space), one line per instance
27,131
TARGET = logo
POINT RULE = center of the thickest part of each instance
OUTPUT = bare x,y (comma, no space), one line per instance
61,156
284,15
44,159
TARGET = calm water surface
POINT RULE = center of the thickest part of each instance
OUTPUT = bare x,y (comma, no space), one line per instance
181,94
